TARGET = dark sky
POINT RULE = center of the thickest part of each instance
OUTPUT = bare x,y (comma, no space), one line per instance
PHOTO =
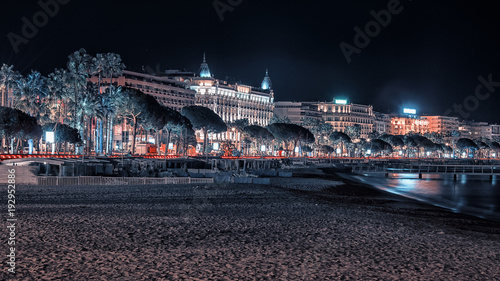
428,57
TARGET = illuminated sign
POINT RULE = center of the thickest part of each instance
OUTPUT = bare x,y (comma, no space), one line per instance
49,137
410,111
215,146
341,101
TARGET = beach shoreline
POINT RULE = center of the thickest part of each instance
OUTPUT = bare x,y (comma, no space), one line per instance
305,228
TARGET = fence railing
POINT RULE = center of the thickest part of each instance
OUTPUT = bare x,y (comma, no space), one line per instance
429,169
86,180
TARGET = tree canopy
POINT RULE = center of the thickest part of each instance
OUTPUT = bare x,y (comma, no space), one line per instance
204,118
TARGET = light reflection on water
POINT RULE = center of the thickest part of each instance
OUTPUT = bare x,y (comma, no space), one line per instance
475,195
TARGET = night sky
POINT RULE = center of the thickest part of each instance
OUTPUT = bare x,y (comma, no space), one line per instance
428,57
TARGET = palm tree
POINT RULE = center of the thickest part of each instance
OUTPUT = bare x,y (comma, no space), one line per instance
8,78
112,66
78,72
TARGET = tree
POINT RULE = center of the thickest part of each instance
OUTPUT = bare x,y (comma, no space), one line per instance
482,146
171,120
339,138
396,142
291,132
107,65
467,145
277,119
59,96
79,67
29,96
63,134
204,119
237,127
8,78
380,146
326,149
258,133
138,107
15,124
354,132
184,133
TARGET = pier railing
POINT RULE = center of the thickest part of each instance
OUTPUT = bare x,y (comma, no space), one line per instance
91,180
428,169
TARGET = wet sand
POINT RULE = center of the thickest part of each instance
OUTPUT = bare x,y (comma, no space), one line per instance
296,229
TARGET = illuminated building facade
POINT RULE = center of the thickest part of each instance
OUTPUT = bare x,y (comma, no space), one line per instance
168,91
443,125
475,130
341,114
297,111
402,125
233,101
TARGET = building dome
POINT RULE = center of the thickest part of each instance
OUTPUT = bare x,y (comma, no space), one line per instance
204,70
266,83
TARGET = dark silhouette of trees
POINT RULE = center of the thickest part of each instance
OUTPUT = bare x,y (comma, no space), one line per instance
204,119
17,125
291,132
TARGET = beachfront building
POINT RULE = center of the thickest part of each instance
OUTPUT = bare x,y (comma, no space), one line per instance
339,112
475,130
495,131
342,114
443,125
381,123
403,125
296,112
233,101
169,90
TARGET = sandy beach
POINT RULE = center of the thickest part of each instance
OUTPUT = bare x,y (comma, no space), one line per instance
296,229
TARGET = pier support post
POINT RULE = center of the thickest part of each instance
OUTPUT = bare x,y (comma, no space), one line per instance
491,177
387,175
420,176
455,177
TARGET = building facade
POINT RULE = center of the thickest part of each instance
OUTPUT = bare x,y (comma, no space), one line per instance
443,125
233,101
402,125
169,91
296,112
342,114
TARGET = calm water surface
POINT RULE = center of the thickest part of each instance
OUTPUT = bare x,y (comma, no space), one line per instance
474,195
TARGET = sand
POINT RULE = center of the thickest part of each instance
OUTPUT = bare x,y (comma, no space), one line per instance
297,229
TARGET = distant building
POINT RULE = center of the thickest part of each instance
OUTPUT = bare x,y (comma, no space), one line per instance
297,111
402,125
339,113
233,101
342,114
443,125
495,132
382,123
170,91
475,130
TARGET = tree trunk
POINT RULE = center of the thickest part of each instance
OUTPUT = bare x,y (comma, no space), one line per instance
205,137
135,134
111,134
168,141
